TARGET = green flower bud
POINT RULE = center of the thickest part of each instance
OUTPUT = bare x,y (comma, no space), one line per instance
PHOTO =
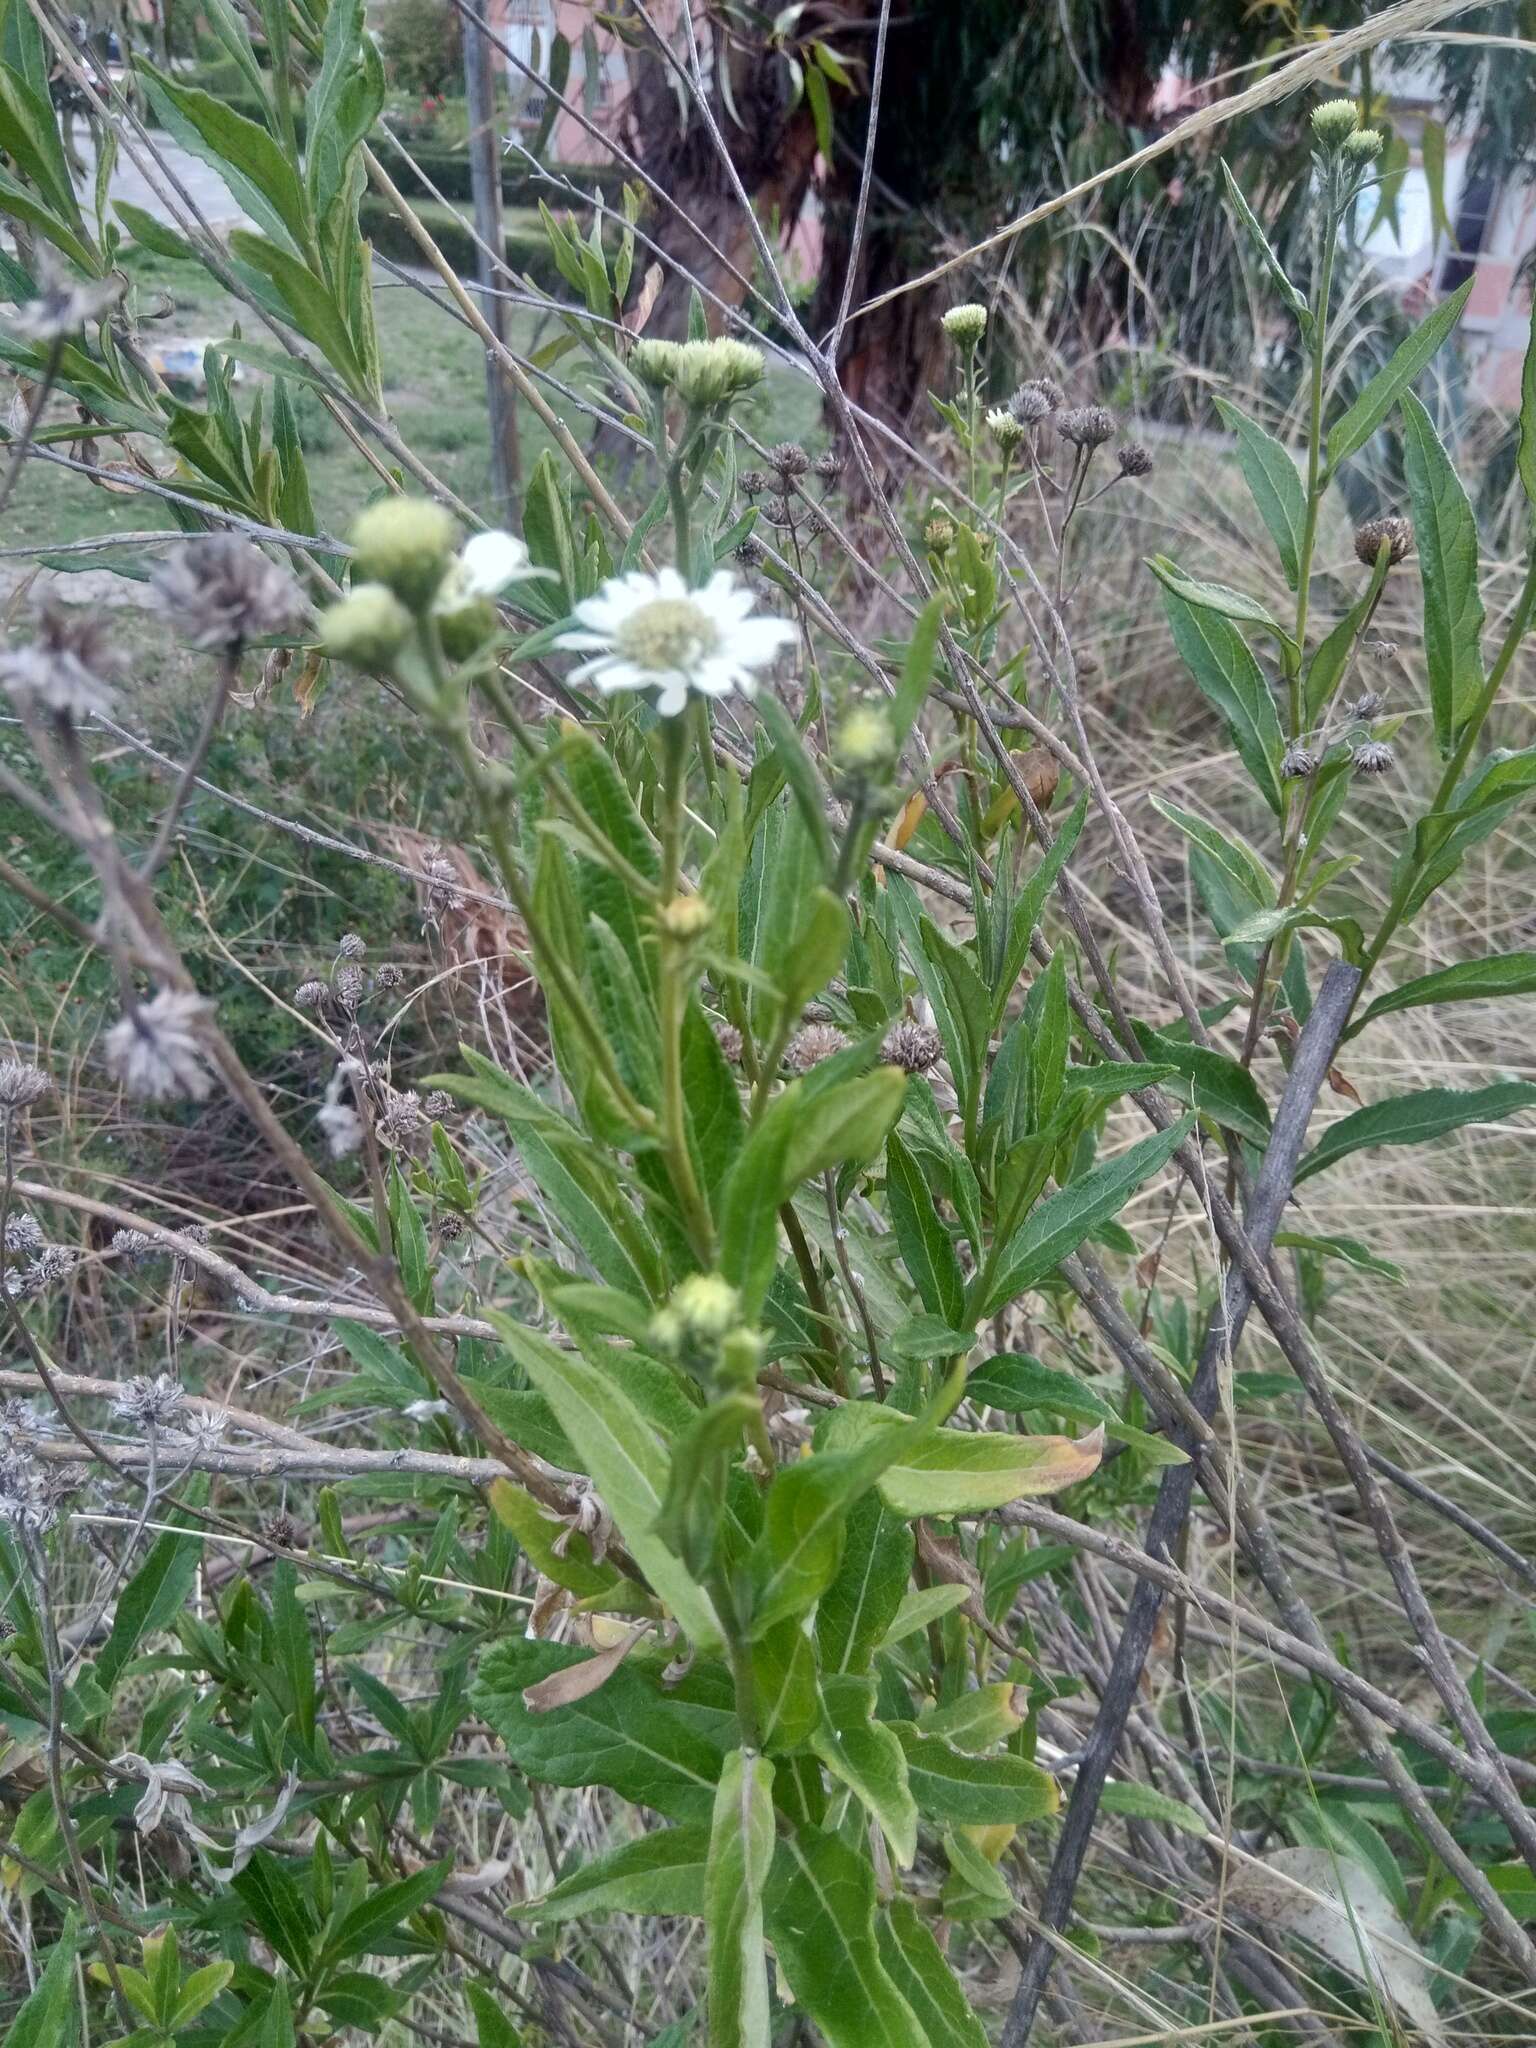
938,536
713,372
369,626
685,917
406,543
1333,121
865,744
1362,148
965,325
706,1305
655,362
1005,429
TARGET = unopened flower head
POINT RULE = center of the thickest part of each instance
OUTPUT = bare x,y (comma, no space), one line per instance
155,1050
21,1084
1392,532
686,917
643,632
706,1306
221,591
812,1044
864,744
68,667
912,1046
1087,426
655,362
1362,148
709,373
368,626
64,304
1333,121
966,324
1005,427
407,544
148,1401
939,536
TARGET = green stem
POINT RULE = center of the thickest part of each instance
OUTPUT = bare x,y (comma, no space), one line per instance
1456,766
675,977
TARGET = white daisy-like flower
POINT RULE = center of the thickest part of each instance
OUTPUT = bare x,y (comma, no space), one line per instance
490,561
654,633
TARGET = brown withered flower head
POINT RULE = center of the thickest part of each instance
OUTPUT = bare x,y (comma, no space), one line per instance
21,1084
912,1046
1135,459
1394,531
1087,426
1298,761
1372,757
220,591
68,667
812,1044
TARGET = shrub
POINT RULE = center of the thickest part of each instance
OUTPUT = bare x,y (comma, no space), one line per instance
423,45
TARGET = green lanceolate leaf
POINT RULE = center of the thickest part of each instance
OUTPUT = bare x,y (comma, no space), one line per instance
916,669
156,1593
1143,1802
864,1755
976,1720
1349,1250
1270,260
1393,378
974,1791
627,1460
953,1472
1212,1083
1415,1119
1469,981
916,1966
1274,484
1014,1382
1216,597
49,2017
927,1250
1218,658
652,1750
1059,1224
663,1872
821,1920
862,1601
740,1853
1445,533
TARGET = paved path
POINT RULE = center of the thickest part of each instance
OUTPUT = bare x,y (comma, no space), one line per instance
203,185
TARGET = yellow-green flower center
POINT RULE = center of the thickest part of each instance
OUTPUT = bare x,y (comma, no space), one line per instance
667,633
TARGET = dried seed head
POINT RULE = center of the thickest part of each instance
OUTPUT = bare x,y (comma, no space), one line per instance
352,946
21,1084
912,1046
439,1104
828,465
63,304
203,1428
341,1127
349,985
450,1227
311,994
282,1532
1031,404
1378,650
23,1499
966,324
1298,762
222,591
401,1122
146,1402
812,1044
155,1051
68,667
1135,459
728,1038
8,1628
1372,757
134,1246
59,1483
779,511
753,483
442,877
389,978
751,553
24,1236
1087,426
789,459
1369,704
1392,532
54,1263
